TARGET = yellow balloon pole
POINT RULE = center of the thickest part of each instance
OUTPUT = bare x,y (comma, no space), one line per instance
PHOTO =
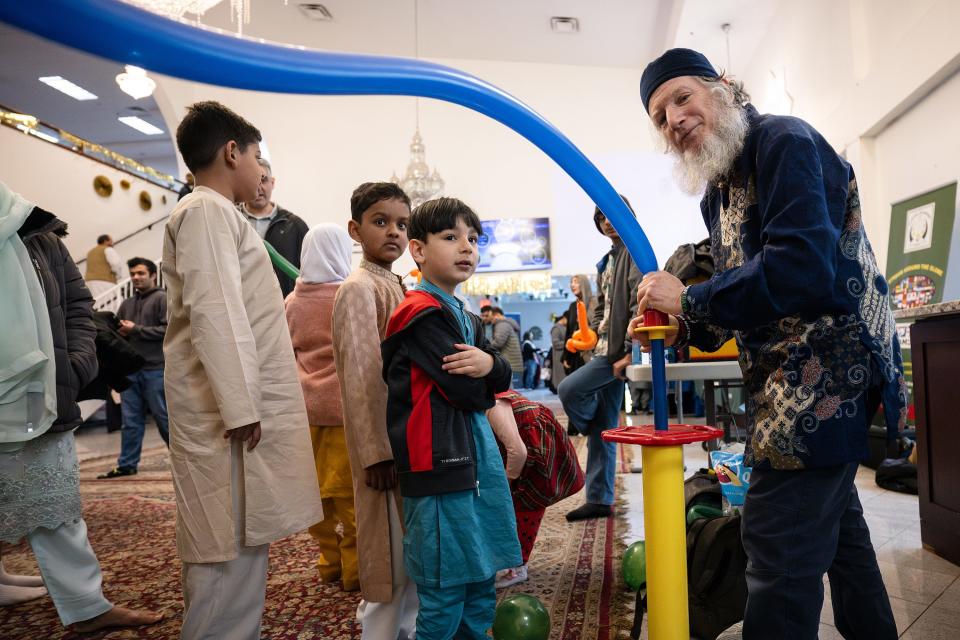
664,520
664,525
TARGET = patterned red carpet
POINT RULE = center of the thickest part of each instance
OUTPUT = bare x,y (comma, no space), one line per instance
574,569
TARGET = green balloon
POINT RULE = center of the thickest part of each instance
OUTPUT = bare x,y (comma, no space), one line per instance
698,511
280,262
521,617
634,567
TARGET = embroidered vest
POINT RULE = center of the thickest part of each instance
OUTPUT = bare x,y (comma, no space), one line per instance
97,266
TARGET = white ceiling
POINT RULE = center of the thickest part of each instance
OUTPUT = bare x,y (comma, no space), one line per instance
700,28
28,57
614,33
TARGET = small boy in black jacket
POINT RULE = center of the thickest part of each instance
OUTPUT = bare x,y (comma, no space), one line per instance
442,376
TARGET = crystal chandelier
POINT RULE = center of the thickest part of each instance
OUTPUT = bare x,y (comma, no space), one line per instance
418,183
176,9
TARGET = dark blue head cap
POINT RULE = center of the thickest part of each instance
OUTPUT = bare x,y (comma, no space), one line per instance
673,64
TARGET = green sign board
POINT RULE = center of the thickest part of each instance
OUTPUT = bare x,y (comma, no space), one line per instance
921,230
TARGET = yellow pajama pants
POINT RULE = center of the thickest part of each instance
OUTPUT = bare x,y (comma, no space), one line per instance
338,549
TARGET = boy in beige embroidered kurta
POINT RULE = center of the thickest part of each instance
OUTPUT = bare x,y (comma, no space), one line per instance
364,303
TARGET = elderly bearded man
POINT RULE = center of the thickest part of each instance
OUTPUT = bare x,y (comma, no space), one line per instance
798,286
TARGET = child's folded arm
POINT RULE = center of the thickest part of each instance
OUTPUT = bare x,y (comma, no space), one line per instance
501,374
427,344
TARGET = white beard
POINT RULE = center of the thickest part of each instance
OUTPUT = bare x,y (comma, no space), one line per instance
695,168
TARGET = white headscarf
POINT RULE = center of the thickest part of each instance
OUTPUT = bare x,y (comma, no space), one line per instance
325,256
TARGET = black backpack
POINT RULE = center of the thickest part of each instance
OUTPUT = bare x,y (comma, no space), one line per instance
897,474
702,488
716,575
716,566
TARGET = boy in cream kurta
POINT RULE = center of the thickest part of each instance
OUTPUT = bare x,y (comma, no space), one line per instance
230,380
362,307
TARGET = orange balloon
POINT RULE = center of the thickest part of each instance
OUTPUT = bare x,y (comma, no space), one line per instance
584,338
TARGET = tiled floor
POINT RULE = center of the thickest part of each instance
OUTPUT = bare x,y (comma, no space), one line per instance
924,589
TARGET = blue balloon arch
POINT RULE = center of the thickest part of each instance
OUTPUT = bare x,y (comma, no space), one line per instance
130,35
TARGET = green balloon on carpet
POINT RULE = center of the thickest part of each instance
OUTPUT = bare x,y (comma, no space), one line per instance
634,566
521,617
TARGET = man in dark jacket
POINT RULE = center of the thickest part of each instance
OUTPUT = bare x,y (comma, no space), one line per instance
282,229
593,394
47,509
505,339
143,322
797,284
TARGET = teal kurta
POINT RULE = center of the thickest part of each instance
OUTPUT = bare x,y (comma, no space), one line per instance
467,536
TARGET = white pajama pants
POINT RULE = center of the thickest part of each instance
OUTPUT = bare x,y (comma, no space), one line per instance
397,619
70,570
225,599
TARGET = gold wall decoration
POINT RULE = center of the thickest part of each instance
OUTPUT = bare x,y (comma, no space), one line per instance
91,149
22,119
146,202
515,282
103,186
121,161
124,184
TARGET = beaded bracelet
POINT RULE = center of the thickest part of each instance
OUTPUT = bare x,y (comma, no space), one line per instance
684,303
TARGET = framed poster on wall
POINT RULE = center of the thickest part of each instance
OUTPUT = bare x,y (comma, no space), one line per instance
921,229
921,232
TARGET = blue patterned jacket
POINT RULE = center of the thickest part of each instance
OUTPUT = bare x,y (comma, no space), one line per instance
797,284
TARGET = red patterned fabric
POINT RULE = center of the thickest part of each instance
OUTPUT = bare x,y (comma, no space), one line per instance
528,526
552,471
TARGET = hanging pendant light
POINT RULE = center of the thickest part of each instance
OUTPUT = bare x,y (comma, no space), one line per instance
135,82
418,182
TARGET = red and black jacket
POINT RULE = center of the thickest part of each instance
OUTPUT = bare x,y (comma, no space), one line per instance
431,437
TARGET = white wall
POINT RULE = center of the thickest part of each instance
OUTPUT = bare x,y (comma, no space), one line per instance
852,67
322,147
667,216
917,153
62,182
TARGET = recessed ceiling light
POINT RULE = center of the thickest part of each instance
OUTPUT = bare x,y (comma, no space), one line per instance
140,125
316,11
564,24
65,86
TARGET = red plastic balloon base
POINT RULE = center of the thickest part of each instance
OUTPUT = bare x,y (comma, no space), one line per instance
677,434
